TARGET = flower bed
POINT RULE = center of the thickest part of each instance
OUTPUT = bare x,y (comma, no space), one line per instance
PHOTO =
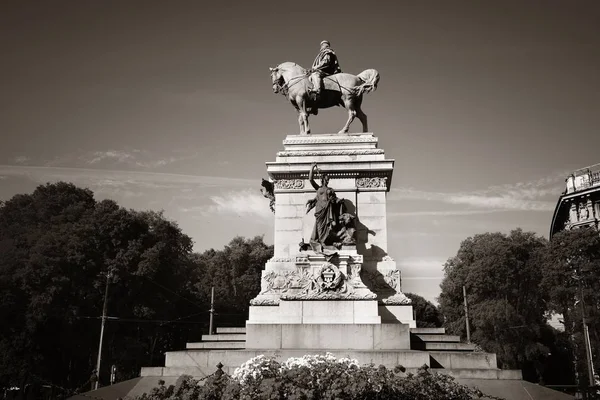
315,377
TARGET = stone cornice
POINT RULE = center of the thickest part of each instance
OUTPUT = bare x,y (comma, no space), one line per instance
345,152
330,139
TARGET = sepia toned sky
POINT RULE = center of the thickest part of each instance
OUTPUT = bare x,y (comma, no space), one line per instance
485,107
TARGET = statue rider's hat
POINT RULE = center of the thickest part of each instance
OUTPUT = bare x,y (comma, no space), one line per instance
325,42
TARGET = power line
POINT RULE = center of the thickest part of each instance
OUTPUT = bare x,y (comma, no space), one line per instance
172,292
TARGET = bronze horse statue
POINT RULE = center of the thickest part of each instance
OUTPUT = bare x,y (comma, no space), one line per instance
342,89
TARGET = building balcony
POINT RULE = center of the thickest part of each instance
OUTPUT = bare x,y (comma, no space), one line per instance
583,179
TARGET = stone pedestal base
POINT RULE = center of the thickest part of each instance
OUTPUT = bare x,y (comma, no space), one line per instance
391,314
317,312
328,336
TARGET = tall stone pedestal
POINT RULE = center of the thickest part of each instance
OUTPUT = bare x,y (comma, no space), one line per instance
347,297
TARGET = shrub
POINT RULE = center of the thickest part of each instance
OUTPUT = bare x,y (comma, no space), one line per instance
315,377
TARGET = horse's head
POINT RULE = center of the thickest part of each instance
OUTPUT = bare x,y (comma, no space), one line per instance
276,79
285,73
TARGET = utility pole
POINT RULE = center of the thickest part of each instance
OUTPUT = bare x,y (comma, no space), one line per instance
212,310
104,307
467,314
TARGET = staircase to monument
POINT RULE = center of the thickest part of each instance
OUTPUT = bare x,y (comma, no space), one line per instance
442,353
224,339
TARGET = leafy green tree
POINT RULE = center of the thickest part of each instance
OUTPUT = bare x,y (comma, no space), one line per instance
571,276
427,314
507,307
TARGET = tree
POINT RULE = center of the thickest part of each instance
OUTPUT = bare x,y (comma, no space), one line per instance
571,277
235,273
506,307
427,314
57,246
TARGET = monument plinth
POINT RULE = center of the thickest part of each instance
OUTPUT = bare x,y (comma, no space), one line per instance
330,274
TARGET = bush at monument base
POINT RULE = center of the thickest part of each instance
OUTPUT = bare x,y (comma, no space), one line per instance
316,377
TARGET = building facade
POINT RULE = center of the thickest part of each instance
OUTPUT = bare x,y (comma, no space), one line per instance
579,204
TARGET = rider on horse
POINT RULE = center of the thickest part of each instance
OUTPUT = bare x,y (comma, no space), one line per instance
325,64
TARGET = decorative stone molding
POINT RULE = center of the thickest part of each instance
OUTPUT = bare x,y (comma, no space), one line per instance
384,281
326,282
342,139
585,210
392,278
313,153
281,259
398,299
354,276
289,184
302,260
277,282
369,183
350,295
357,258
264,301
329,277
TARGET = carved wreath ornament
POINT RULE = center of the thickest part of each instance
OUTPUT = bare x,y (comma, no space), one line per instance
329,277
375,182
289,184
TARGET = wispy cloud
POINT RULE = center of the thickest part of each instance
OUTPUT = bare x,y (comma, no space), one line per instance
119,179
421,268
21,159
421,263
119,158
116,155
435,278
241,203
442,213
522,196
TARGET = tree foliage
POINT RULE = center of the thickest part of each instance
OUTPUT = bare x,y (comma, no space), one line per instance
507,308
58,244
427,314
572,280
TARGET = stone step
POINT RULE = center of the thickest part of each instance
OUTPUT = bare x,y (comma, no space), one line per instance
234,358
205,360
196,371
436,338
442,346
227,337
215,345
428,331
231,330
466,373
462,360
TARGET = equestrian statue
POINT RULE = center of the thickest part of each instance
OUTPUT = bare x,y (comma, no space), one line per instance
323,86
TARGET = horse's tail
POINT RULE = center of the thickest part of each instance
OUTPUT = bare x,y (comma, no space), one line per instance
370,77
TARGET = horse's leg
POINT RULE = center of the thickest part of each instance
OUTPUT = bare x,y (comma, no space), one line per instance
351,116
300,118
363,119
303,114
301,123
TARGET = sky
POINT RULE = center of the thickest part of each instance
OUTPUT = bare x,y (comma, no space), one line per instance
485,107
